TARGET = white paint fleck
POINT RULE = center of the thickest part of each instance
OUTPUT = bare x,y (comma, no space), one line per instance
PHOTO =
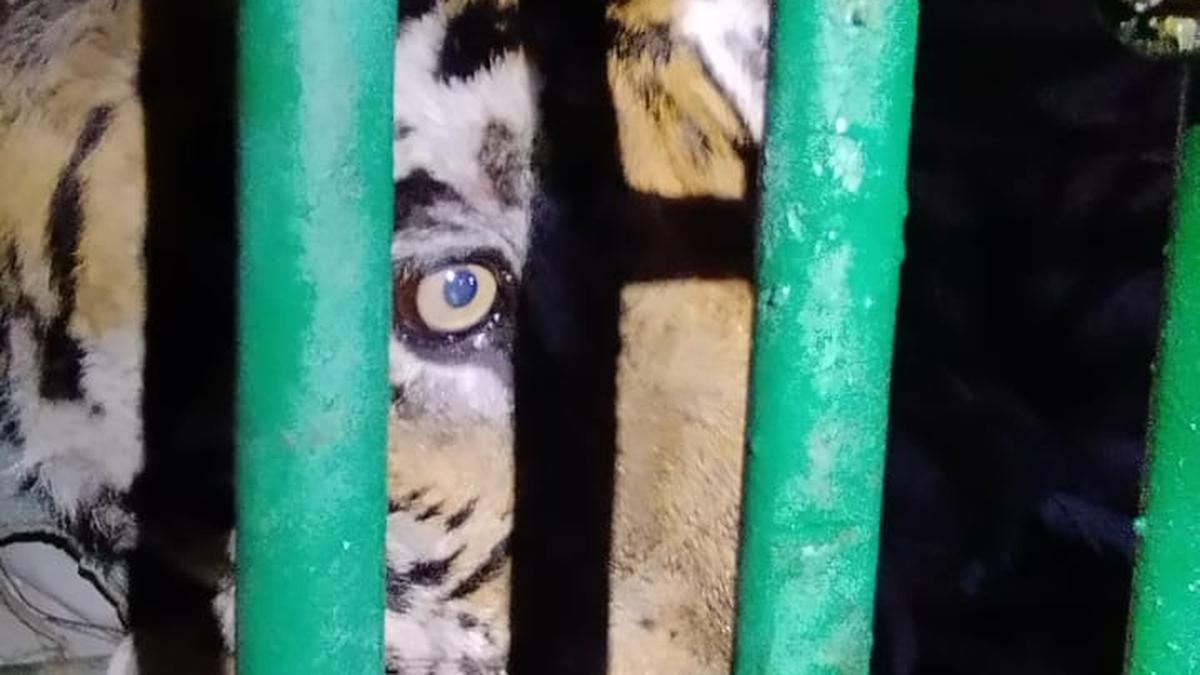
778,295
824,445
846,162
827,344
841,125
824,316
795,221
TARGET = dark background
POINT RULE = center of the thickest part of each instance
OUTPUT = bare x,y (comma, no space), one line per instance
1040,181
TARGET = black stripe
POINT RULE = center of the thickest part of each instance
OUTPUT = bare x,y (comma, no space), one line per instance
435,510
476,37
491,567
431,572
459,517
61,358
11,266
61,363
65,209
407,501
653,42
397,586
419,190
10,428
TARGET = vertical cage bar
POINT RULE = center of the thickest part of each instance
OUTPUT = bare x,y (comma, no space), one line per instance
1165,626
830,245
315,209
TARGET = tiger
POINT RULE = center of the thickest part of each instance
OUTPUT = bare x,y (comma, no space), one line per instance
687,82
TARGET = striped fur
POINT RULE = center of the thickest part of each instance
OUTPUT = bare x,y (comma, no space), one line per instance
686,80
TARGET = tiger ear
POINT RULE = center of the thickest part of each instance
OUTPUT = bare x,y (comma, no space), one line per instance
731,37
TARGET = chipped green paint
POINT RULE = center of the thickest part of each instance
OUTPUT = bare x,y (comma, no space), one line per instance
315,207
829,253
1165,630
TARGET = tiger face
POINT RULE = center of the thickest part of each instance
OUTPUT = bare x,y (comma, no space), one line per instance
686,81
686,85
465,124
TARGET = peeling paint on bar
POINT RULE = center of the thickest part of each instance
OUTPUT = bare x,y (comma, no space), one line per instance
315,204
829,253
1165,626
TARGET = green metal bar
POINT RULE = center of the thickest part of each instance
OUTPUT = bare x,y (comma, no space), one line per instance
315,95
1165,628
829,252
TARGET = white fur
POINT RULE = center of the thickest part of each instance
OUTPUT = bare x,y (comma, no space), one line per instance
124,660
454,392
428,637
448,118
73,452
731,38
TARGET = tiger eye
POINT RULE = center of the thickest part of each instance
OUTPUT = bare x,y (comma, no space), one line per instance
455,298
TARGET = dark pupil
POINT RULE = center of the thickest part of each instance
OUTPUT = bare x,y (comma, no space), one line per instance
459,287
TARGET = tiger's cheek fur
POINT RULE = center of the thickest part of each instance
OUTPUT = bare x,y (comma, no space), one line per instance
681,383
72,221
460,500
